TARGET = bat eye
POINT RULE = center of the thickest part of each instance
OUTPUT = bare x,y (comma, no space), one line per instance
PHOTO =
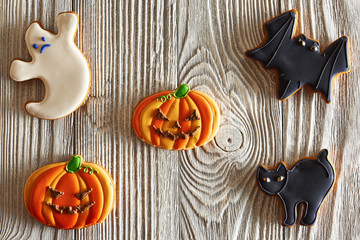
35,46
280,178
265,179
314,48
301,42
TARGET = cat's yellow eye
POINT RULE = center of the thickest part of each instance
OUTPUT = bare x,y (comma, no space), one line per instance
280,178
266,179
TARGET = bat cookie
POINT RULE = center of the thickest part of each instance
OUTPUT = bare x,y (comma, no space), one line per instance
177,120
69,195
298,61
59,63
308,181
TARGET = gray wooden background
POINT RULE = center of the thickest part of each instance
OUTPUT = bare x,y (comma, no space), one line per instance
136,48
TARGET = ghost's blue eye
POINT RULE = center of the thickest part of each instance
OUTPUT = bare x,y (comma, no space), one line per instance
35,46
44,39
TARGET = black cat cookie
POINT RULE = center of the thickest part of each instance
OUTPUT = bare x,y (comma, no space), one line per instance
308,181
298,61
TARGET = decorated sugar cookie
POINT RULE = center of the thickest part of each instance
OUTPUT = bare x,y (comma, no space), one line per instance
308,181
68,195
298,61
177,120
59,63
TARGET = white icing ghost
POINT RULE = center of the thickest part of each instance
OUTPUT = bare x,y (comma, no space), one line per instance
58,62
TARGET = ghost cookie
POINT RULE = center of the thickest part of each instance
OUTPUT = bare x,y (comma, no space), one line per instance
308,181
59,63
177,120
69,195
298,61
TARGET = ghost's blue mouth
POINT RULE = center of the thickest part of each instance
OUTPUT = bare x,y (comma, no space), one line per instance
43,47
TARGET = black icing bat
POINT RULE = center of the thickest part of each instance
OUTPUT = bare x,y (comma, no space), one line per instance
299,61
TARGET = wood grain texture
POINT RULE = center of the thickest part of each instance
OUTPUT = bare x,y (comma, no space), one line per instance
27,143
309,124
130,49
137,48
219,198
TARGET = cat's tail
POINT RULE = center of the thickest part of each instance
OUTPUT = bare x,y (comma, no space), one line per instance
323,159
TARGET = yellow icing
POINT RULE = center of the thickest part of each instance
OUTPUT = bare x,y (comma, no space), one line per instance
146,118
83,188
194,124
173,115
108,186
82,216
103,176
46,210
33,177
215,111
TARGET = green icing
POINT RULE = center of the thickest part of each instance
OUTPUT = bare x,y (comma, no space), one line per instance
165,98
89,170
74,164
182,91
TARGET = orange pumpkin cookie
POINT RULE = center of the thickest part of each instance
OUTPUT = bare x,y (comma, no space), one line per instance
177,120
70,195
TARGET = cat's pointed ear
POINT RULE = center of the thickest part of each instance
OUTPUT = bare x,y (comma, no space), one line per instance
262,170
323,154
281,168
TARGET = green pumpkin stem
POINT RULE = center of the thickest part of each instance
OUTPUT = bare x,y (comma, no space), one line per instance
181,92
74,164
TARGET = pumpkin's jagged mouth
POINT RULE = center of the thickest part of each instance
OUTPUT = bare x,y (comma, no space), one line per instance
71,210
174,136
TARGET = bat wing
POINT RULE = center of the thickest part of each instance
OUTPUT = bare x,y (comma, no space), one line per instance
277,30
337,62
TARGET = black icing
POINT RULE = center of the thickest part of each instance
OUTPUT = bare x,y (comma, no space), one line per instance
309,181
300,63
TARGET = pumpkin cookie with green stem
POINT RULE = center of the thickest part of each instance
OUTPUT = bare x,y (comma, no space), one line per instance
68,195
178,120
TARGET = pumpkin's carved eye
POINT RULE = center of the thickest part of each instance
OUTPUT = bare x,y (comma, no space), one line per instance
83,195
56,193
193,117
161,116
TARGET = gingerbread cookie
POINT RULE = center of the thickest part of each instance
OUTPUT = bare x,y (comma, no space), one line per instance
308,181
68,195
299,62
177,120
59,63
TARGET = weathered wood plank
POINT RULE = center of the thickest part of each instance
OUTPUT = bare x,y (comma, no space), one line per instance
27,142
131,46
219,198
310,124
136,48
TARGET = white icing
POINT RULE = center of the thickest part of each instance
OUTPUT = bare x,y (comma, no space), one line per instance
62,68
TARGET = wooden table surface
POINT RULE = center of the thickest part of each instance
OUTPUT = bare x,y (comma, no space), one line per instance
137,48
